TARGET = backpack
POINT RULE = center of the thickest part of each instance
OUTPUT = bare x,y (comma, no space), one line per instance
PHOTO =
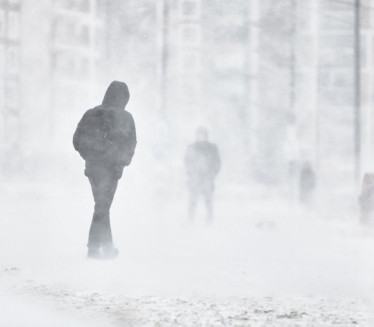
90,137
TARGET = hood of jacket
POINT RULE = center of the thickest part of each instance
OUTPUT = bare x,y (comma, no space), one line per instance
117,95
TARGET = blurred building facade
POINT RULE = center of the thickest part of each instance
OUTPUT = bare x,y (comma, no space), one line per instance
272,110
74,56
48,55
336,91
208,76
326,89
302,61
367,86
271,80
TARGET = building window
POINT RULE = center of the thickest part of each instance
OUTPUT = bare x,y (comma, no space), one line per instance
190,62
14,2
83,5
83,36
190,35
58,62
64,64
80,5
65,30
191,90
189,9
70,32
84,68
13,25
67,4
58,30
12,60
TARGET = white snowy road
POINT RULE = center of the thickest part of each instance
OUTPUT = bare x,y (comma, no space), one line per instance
102,309
257,265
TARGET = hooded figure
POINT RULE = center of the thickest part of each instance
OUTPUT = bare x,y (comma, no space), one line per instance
106,140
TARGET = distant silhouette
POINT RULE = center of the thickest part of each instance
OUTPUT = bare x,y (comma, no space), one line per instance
366,199
203,163
292,157
307,183
106,140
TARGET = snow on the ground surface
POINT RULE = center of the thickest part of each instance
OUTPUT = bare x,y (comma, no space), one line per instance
260,263
16,312
118,310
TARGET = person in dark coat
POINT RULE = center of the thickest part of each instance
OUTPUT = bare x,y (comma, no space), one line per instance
106,140
202,161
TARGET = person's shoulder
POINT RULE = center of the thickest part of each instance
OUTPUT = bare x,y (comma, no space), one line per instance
92,111
87,115
128,114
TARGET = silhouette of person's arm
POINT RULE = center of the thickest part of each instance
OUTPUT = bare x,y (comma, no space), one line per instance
131,142
121,145
78,135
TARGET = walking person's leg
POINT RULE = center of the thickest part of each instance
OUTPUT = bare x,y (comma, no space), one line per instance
103,189
110,187
208,198
94,237
193,195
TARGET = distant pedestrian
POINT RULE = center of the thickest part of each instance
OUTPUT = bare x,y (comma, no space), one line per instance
366,199
307,183
106,140
292,157
202,161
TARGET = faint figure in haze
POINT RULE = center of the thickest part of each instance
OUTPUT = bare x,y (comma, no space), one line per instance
307,183
292,157
106,140
366,199
203,163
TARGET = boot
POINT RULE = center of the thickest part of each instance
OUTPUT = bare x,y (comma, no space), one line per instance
94,252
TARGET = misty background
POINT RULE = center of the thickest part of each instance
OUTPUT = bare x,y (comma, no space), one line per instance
264,77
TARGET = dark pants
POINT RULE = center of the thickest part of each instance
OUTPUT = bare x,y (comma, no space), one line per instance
201,187
104,186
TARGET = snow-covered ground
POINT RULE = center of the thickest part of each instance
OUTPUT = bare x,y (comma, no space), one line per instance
19,312
261,263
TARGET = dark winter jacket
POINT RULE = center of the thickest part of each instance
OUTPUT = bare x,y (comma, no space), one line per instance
119,137
202,160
